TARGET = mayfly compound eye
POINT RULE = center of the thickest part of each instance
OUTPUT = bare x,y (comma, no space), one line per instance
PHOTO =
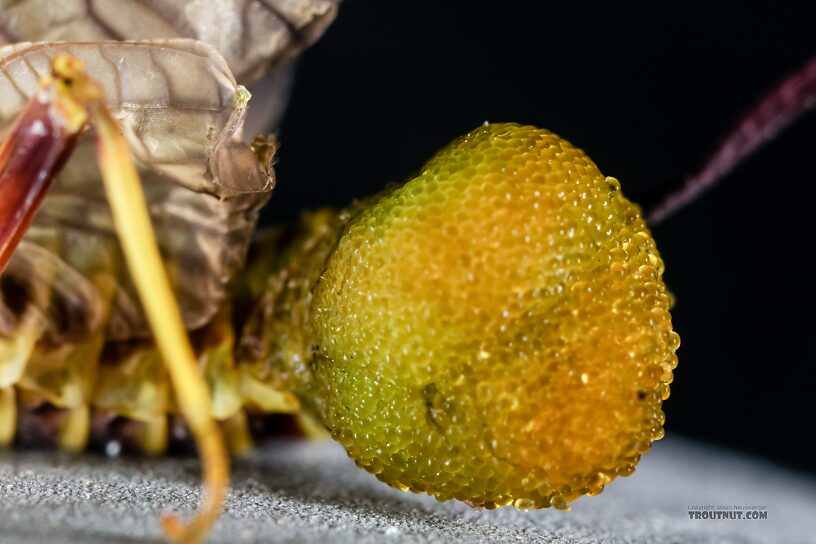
496,330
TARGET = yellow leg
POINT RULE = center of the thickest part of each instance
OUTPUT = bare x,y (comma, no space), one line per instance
130,215
267,398
236,431
154,435
16,350
8,416
79,99
312,428
76,429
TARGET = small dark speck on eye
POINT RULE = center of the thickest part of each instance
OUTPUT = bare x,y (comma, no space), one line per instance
641,395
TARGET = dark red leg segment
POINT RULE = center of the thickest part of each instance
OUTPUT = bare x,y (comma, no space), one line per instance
30,157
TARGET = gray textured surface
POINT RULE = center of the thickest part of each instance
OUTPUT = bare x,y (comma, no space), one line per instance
301,492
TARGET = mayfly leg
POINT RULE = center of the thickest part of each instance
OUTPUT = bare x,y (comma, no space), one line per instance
68,101
132,222
8,415
32,153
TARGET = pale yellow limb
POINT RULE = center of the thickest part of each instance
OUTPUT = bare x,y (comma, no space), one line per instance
132,221
154,435
130,215
236,430
312,428
266,397
76,429
8,415
16,350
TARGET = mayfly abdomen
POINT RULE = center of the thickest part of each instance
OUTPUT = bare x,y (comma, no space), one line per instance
246,352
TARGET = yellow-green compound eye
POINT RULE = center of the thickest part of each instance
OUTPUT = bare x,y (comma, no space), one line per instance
496,330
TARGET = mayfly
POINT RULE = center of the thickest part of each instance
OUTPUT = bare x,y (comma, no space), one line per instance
496,330
68,301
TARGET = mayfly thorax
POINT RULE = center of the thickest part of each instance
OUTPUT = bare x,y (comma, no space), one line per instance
495,330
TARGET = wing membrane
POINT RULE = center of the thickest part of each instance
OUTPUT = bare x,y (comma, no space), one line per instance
182,113
250,34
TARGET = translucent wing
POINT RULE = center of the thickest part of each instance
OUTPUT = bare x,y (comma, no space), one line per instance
250,34
257,38
182,113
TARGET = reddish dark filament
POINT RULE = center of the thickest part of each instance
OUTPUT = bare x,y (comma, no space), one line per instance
789,100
